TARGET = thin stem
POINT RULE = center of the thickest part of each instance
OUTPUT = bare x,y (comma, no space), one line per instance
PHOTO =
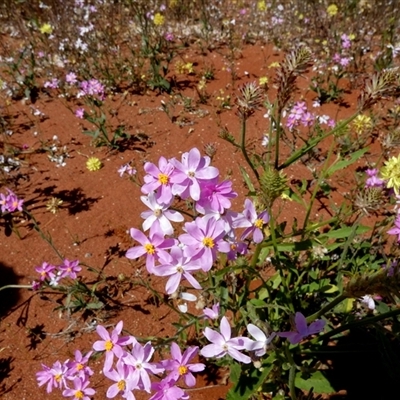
243,147
327,307
16,287
277,140
318,185
364,321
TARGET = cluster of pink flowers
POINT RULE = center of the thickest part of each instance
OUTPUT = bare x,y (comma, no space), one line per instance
129,365
299,115
59,375
93,88
373,179
343,59
126,169
213,231
10,202
52,274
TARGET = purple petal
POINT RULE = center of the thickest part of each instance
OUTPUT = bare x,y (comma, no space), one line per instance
301,324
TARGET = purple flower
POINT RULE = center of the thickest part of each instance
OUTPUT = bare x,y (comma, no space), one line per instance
125,380
204,238
154,247
396,229
177,266
179,364
302,330
190,172
223,344
139,358
111,344
80,390
166,390
252,222
169,36
10,203
92,87
212,313
126,168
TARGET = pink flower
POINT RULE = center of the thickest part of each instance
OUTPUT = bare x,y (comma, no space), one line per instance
139,358
189,173
80,390
77,367
71,78
125,380
204,238
154,247
55,377
177,266
111,344
396,229
212,313
44,270
252,221
179,364
158,179
69,269
80,113
167,390
222,343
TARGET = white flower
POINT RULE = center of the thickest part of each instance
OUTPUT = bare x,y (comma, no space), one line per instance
260,345
182,301
368,301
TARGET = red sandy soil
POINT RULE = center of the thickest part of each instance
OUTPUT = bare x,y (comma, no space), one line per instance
99,208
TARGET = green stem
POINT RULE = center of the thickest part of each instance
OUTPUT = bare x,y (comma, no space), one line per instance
365,321
243,147
42,235
318,185
327,307
254,259
292,373
277,140
313,142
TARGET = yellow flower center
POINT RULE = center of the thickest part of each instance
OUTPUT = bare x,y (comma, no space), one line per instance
208,242
79,366
58,377
121,385
79,394
182,370
163,179
109,345
150,249
259,223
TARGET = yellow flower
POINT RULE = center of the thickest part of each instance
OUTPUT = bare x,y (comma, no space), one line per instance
173,3
159,19
93,164
46,28
274,64
263,80
332,10
391,172
189,68
261,6
362,123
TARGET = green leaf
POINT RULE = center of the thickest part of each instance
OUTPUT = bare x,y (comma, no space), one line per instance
249,382
345,163
95,306
316,381
247,179
346,232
